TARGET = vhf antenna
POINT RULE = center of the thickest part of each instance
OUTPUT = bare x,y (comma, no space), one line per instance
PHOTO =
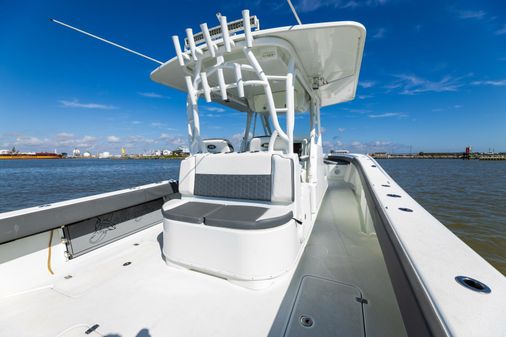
294,12
106,41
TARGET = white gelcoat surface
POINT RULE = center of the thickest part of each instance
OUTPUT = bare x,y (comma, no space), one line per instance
438,256
147,294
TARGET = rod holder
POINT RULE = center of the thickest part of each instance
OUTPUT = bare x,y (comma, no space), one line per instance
191,42
205,86
247,28
238,78
223,86
179,53
210,43
225,34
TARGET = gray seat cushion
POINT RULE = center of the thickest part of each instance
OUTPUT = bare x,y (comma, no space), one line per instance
245,217
191,211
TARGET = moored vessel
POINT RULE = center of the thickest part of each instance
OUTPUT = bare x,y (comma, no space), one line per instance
29,155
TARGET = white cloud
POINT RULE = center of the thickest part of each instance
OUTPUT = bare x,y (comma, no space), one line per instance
351,4
172,140
163,126
388,115
367,84
312,5
495,83
113,139
28,140
214,109
89,139
357,111
501,31
65,135
380,33
136,122
76,104
364,147
365,96
139,140
152,95
471,14
411,84
64,141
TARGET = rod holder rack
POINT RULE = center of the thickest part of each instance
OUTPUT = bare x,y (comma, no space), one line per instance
198,83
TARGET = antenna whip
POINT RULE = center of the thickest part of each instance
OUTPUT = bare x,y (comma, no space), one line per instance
294,12
106,41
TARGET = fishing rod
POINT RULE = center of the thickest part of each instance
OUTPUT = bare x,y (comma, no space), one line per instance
106,41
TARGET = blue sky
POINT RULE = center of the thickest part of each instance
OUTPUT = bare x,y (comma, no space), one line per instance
433,75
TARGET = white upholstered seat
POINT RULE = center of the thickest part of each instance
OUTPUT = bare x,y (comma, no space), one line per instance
235,218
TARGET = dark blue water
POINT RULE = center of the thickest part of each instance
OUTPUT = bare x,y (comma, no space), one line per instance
26,183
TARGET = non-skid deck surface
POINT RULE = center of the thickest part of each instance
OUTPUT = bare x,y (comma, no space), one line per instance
339,252
148,298
145,298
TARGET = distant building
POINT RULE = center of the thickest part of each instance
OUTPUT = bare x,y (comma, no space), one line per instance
5,151
104,155
183,149
166,152
157,153
76,153
87,154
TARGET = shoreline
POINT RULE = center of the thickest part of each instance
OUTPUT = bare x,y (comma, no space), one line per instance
474,156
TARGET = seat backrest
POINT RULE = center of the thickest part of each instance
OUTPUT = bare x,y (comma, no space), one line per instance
257,176
218,145
261,143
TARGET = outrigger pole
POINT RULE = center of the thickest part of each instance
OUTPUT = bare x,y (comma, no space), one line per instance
107,41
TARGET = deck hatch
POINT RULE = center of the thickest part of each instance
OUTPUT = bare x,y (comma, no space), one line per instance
326,308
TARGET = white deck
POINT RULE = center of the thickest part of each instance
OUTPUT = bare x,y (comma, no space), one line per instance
146,298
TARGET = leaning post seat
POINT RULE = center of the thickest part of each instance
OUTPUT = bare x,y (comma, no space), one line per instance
235,218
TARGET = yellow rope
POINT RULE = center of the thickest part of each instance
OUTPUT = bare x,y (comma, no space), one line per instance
49,253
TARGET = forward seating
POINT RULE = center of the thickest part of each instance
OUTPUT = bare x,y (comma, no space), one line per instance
218,145
228,216
235,218
261,143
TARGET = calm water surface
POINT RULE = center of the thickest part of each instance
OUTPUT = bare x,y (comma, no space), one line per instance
26,183
469,197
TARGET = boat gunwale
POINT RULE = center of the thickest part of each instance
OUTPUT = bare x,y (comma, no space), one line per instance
420,316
